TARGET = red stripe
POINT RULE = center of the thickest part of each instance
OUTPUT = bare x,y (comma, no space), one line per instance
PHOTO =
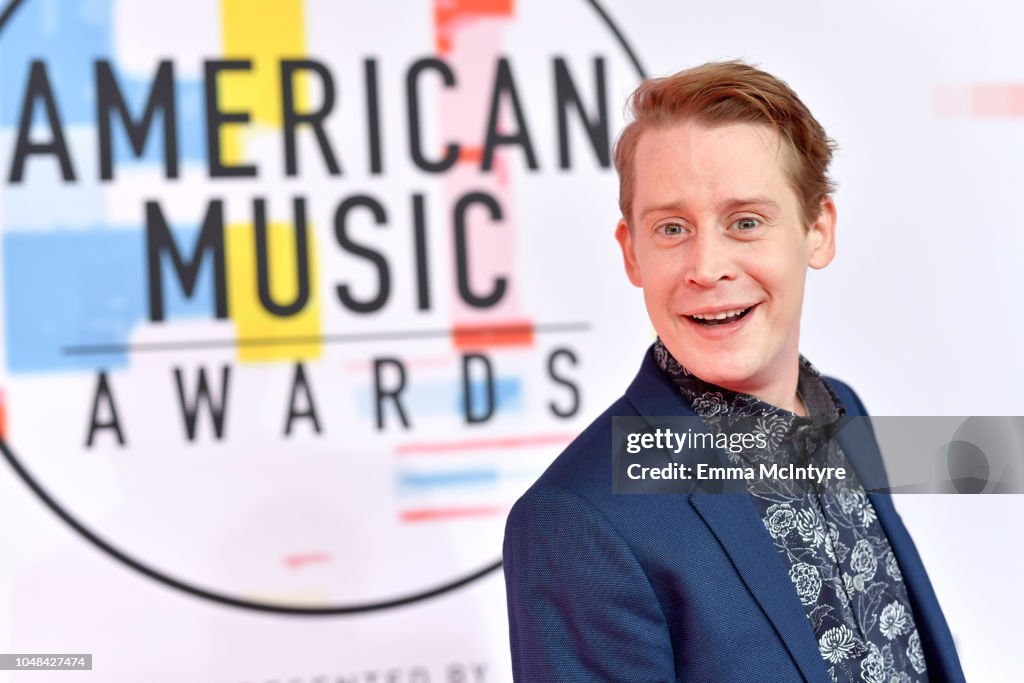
511,333
297,560
980,100
426,448
433,514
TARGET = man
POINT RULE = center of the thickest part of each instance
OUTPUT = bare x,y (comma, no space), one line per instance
725,204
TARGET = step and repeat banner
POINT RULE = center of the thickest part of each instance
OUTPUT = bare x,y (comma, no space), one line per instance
298,296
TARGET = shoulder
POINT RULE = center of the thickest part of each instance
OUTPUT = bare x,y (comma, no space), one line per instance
566,511
848,398
576,488
581,475
858,439
585,466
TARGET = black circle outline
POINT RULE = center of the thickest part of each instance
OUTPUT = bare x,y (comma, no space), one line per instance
195,591
217,597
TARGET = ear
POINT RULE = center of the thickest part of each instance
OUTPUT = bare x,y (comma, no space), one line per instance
625,238
822,236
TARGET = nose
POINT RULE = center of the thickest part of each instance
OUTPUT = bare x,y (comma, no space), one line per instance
709,259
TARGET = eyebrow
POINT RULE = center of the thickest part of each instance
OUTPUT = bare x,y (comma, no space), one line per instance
728,205
752,201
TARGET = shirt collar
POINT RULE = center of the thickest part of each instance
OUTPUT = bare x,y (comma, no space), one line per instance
710,400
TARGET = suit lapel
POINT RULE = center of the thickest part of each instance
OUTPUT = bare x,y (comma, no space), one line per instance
861,449
734,521
936,639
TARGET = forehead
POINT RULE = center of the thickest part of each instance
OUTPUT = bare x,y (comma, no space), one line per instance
697,165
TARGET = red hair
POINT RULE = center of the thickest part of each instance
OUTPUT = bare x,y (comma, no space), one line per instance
720,93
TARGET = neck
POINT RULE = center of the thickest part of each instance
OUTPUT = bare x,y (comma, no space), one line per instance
786,399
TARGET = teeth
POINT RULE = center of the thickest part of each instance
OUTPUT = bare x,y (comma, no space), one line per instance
718,316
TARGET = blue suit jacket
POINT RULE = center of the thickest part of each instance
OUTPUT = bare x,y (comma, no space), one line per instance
621,587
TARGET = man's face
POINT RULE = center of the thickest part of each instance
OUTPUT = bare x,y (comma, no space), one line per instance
717,229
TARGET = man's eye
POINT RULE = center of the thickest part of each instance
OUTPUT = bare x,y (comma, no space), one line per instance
671,229
747,223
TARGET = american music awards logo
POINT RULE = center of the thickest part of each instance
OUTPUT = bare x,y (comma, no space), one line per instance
289,312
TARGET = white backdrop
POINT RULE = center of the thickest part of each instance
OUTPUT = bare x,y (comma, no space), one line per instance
918,313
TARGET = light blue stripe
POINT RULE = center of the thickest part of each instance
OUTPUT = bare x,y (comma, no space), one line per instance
421,480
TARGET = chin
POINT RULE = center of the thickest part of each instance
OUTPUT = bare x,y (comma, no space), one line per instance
728,370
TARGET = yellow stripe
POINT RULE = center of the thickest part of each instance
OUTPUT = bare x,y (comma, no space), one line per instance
251,319
263,31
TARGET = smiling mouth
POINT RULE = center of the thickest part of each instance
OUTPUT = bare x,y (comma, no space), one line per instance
723,318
